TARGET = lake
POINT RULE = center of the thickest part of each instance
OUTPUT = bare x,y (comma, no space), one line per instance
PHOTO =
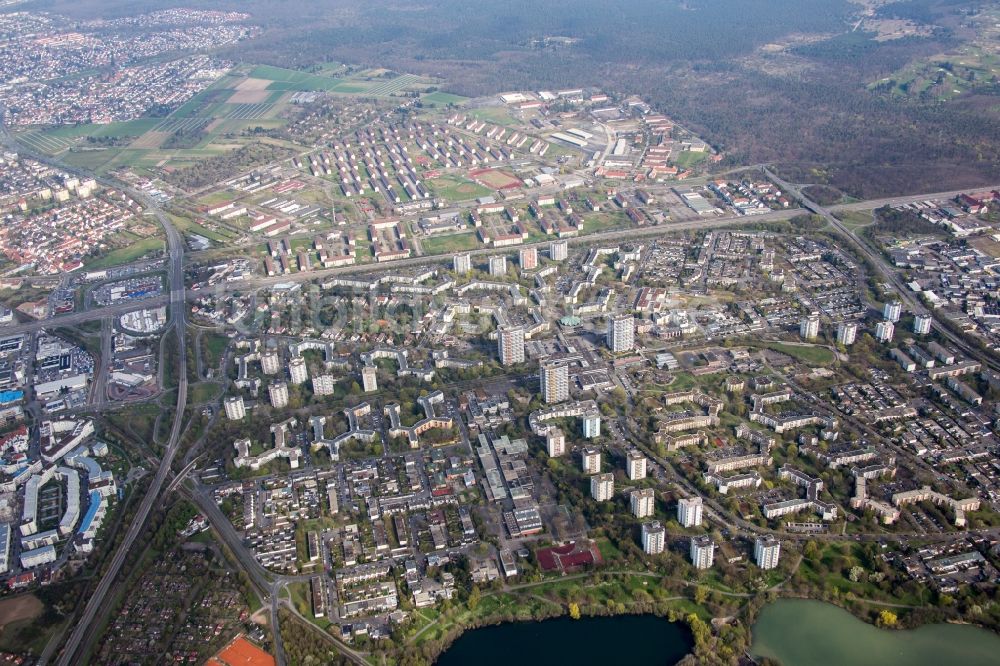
645,639
798,632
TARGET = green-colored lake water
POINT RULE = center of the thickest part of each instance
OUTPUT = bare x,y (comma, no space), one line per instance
806,633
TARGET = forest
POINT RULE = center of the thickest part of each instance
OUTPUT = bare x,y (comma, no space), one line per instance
777,81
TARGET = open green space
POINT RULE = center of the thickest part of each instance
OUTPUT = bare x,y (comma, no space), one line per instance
289,79
456,189
126,255
439,98
203,392
690,158
496,115
855,220
462,242
810,354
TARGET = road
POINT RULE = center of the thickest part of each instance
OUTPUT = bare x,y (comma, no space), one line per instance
887,272
86,626
613,236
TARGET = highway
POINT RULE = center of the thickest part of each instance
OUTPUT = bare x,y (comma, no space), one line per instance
269,585
888,273
86,625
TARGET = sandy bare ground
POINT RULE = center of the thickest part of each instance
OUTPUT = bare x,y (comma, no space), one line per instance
254,96
24,607
150,139
253,84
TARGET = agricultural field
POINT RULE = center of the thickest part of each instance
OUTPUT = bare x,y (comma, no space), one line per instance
214,121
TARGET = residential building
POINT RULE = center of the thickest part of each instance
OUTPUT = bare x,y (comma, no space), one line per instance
653,538
498,266
922,324
635,465
323,384
592,424
510,344
884,331
602,486
766,550
297,370
555,442
702,552
591,461
278,392
527,258
462,263
369,377
554,377
689,511
643,502
621,333
809,327
235,409
558,250
847,333
892,311
270,362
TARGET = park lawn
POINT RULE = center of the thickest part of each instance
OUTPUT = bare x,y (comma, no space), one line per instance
608,550
812,355
461,242
125,255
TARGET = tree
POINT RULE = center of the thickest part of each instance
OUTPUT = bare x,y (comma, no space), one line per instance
700,595
474,597
887,619
574,611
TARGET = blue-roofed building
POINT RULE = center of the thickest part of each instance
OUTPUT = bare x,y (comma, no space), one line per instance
7,397
91,520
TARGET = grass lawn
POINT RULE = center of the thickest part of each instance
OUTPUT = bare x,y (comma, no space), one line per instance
131,128
442,98
495,115
457,189
688,158
855,220
213,349
812,355
288,79
462,242
204,392
189,226
136,419
125,255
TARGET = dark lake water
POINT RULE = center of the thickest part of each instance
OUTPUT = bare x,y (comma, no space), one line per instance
639,640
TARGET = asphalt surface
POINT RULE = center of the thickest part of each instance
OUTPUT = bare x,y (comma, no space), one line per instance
87,624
